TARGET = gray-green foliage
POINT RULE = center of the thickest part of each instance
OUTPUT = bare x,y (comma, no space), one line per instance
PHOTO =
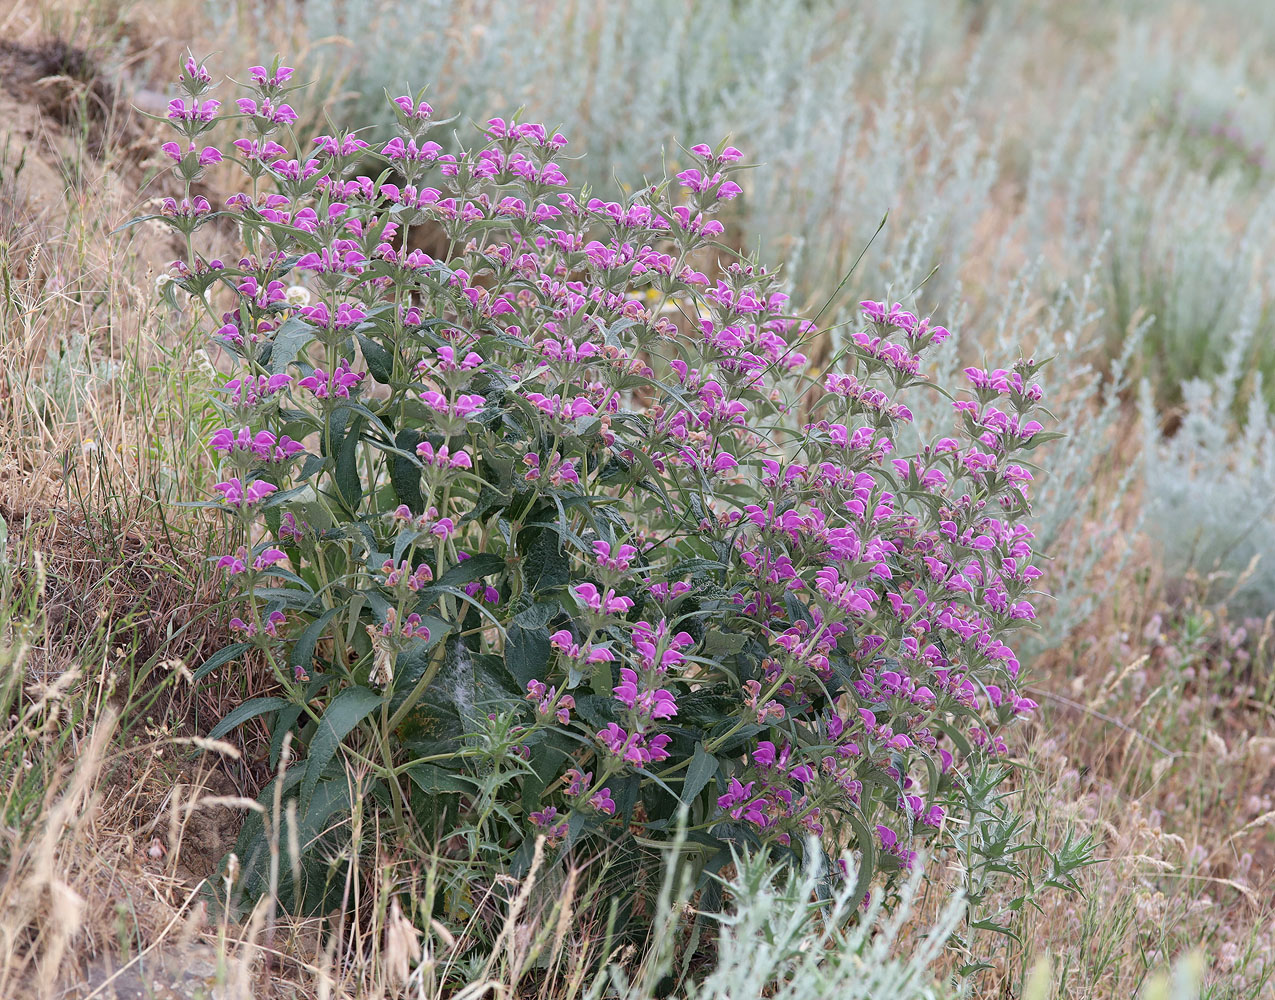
1210,488
784,935
67,379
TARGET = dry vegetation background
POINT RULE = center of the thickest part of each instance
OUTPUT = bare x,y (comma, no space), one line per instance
1156,734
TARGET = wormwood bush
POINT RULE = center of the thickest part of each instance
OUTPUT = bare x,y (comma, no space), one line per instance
772,942
1211,486
558,532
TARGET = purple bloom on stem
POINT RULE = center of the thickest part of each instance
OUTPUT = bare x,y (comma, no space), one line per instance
249,629
268,558
238,562
267,110
410,108
589,595
634,748
195,111
196,72
442,457
209,154
577,781
263,78
336,385
234,493
602,802
546,820
651,704
613,738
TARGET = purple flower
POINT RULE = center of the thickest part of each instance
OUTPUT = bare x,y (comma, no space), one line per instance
196,72
249,629
578,782
442,457
634,748
264,78
268,558
238,562
627,691
204,157
339,146
609,604
736,793
740,803
725,462
650,704
334,386
546,820
558,471
251,150
234,493
267,112
549,704
764,755
195,111
264,445
613,738
601,801
412,109
397,149
334,260
623,558
249,391
234,564
187,209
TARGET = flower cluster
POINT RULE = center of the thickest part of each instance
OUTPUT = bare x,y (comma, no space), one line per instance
579,474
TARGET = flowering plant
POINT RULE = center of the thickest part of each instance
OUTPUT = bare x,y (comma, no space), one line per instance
556,532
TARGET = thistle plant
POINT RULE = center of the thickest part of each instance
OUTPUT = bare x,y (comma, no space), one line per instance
557,531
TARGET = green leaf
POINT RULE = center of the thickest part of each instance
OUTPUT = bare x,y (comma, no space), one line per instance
311,465
287,344
471,569
1039,438
955,734
545,565
527,647
303,650
434,780
652,482
331,797
231,652
286,720
346,711
995,928
867,854
467,685
696,566
405,473
379,361
347,465
250,709
287,597
701,771
547,761
333,432
723,644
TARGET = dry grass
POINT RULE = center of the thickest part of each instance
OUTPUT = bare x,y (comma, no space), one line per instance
1155,734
